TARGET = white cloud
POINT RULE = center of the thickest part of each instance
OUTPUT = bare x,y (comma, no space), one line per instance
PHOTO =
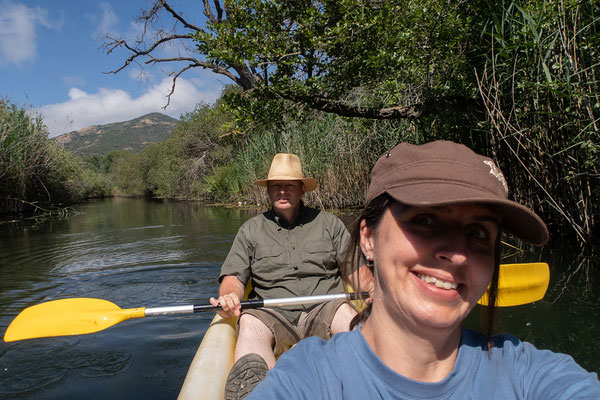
114,105
18,31
106,22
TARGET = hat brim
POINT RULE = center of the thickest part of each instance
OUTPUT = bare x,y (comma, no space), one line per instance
516,219
309,183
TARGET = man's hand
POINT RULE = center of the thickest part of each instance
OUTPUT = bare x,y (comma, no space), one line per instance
230,293
230,304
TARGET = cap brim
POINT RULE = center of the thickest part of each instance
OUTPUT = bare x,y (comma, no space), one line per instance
309,183
516,219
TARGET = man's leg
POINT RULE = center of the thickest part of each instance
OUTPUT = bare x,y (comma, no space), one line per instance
342,318
254,353
253,357
255,337
327,319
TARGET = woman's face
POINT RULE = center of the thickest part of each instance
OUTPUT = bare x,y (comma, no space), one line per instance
432,264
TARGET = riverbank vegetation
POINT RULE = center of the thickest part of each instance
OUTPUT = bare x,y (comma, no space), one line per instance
36,175
340,82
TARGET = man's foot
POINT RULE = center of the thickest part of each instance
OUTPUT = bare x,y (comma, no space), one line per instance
245,374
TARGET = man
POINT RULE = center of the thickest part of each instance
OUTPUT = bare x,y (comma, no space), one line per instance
290,250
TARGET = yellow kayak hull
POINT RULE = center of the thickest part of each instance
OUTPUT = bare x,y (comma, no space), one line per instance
208,372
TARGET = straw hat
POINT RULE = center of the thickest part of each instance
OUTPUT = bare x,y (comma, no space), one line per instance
287,167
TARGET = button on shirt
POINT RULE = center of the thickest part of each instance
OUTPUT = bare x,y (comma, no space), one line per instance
300,259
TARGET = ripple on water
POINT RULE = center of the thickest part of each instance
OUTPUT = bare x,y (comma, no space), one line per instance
27,367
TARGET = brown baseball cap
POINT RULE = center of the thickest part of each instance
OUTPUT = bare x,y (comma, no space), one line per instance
443,172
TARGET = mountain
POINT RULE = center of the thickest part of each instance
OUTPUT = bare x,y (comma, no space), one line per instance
129,135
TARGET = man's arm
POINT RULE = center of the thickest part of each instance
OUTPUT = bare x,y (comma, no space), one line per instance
235,271
231,292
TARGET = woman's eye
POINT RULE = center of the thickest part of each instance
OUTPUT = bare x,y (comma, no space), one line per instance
425,220
478,232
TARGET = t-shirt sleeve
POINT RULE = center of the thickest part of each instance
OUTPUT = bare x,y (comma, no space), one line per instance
239,259
557,376
544,374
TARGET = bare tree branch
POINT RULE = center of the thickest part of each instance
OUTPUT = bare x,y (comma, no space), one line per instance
175,76
208,11
417,110
179,17
114,43
219,11
196,63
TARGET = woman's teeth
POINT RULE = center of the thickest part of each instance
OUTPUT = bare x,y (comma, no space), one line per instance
438,282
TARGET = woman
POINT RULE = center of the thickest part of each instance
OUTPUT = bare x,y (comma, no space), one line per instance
431,233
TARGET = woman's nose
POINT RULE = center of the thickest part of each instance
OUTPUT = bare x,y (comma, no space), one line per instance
452,248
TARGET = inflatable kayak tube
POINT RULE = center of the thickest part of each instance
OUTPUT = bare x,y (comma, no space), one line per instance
208,372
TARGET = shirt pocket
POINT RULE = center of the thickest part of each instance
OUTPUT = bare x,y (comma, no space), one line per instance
263,252
268,260
321,253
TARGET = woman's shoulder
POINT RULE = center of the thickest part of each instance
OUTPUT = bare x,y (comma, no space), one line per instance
546,373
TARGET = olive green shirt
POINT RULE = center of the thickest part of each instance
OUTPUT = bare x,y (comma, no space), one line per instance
301,259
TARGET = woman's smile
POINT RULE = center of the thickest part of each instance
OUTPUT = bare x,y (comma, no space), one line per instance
437,282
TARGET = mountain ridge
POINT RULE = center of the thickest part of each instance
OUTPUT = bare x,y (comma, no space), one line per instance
134,135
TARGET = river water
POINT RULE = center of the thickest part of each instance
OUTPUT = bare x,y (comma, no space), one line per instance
143,253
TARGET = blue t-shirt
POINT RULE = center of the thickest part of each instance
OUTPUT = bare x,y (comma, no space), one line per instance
345,367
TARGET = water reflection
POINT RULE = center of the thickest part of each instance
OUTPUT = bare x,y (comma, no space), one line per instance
133,253
32,366
567,319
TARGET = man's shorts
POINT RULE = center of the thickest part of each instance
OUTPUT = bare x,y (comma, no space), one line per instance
316,322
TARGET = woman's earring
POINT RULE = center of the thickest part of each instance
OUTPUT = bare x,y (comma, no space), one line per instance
370,263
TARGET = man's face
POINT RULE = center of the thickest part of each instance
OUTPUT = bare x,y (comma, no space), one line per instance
285,195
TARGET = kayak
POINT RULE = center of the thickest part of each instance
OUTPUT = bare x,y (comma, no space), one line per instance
214,358
208,372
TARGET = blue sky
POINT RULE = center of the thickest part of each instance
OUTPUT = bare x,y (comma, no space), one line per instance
51,61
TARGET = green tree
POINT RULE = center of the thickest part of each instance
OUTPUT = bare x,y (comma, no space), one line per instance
372,59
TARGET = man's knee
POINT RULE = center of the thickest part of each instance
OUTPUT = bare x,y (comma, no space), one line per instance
252,328
342,318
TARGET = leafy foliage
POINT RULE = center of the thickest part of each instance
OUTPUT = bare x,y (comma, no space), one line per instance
34,172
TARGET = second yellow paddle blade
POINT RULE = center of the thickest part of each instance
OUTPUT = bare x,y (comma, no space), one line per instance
520,284
67,317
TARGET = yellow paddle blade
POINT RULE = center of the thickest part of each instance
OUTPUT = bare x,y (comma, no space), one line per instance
520,284
68,317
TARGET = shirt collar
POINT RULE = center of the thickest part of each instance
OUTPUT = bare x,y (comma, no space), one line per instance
299,221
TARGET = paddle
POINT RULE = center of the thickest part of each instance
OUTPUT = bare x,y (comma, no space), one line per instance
79,316
519,284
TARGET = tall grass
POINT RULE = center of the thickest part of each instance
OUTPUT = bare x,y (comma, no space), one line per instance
540,86
34,172
337,152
